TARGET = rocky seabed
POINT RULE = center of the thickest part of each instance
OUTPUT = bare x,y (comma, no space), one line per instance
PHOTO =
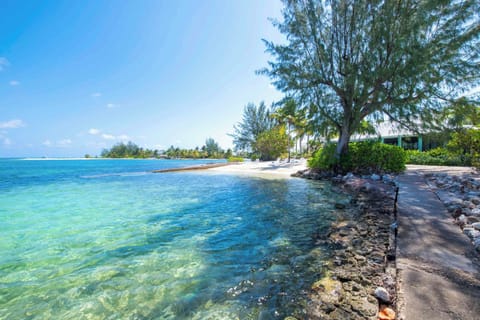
360,282
461,196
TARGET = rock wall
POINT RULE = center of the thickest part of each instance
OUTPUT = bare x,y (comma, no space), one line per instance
360,282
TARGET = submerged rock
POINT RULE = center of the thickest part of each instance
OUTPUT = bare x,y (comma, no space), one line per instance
340,205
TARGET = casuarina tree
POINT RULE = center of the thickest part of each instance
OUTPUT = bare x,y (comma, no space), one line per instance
353,61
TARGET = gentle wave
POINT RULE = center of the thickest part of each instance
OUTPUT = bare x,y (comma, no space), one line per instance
122,174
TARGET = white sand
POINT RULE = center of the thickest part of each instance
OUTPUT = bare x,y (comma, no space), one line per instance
267,169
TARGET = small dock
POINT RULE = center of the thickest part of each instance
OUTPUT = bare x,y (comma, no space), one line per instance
193,168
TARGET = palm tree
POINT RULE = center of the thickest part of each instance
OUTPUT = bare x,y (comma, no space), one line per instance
287,115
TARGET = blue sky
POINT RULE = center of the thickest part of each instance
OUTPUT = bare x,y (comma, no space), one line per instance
79,76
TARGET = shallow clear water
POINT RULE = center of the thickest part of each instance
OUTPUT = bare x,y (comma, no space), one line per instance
106,239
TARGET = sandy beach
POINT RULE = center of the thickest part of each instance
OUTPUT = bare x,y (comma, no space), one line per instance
272,169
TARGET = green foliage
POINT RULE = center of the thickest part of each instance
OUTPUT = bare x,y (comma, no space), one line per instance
235,159
461,113
213,150
197,153
129,150
465,142
437,157
324,158
355,61
463,149
255,121
375,157
363,157
272,143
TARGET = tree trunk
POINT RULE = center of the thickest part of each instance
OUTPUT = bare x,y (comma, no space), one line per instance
288,135
300,146
342,145
308,143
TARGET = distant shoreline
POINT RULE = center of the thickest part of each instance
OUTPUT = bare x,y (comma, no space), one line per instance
193,168
277,169
273,169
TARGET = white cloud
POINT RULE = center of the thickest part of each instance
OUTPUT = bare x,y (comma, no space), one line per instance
12,124
7,141
14,83
108,136
96,94
3,63
63,143
123,137
112,105
94,131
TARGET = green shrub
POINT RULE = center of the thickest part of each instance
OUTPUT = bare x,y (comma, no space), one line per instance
235,159
362,157
323,158
438,157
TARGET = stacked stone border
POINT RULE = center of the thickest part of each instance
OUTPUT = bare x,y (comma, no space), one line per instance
360,277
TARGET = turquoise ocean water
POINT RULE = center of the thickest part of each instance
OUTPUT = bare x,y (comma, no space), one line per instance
106,239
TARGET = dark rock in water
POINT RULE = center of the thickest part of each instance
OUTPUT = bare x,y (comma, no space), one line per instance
456,211
340,205
382,295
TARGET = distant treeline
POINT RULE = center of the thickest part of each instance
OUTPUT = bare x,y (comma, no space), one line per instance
211,150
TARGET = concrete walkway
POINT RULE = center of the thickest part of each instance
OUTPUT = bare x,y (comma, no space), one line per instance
438,277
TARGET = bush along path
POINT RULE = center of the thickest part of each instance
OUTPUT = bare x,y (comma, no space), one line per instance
360,282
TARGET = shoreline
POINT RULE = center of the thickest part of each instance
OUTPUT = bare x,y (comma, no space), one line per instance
360,281
265,169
